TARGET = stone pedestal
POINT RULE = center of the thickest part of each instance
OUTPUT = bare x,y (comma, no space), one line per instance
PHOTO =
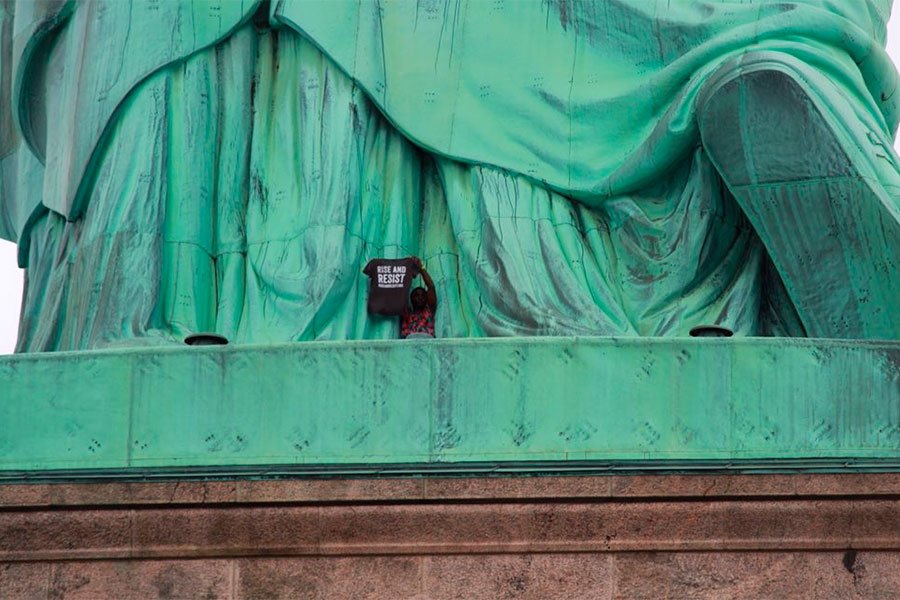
676,536
504,468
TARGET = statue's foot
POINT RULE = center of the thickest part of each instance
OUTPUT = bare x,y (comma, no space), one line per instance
829,225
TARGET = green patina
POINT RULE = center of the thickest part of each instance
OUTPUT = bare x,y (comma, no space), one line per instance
453,402
628,168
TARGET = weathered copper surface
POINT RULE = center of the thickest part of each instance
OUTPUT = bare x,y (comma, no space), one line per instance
606,167
426,405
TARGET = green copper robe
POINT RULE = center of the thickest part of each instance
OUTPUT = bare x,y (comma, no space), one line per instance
172,167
